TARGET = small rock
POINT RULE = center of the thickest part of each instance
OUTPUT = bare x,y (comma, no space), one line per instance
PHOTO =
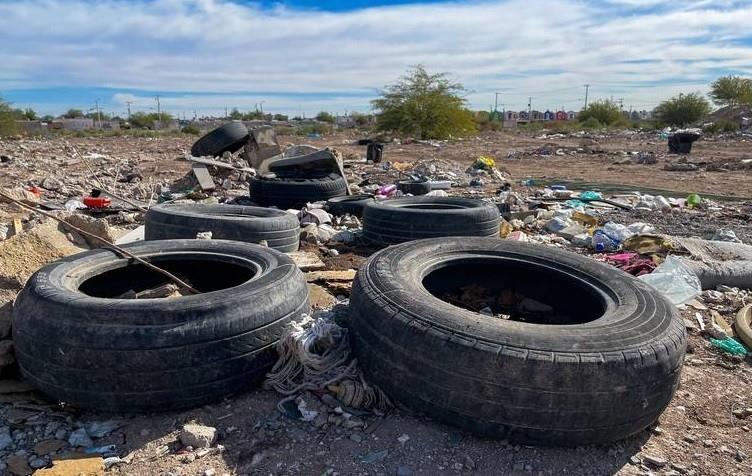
6,441
356,438
17,465
37,462
655,461
80,438
404,438
198,436
468,463
332,252
681,469
403,470
740,456
635,460
690,439
209,472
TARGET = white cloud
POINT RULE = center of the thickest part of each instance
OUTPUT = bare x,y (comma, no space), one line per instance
520,47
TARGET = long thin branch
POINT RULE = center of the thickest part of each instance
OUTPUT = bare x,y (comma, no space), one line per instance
172,277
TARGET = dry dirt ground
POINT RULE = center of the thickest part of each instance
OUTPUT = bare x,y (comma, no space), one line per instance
697,434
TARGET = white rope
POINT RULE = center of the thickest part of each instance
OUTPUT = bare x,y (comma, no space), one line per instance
314,355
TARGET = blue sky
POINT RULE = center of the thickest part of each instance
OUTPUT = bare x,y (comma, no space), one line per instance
302,56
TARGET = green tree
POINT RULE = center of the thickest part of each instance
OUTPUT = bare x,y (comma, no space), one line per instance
324,116
731,91
47,118
427,106
235,114
361,119
682,109
74,114
253,115
280,117
146,120
606,112
7,120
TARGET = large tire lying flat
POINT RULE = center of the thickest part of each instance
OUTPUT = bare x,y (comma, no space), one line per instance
229,137
412,218
291,192
279,229
604,372
127,355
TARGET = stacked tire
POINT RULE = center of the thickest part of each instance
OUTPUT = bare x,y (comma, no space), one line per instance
278,229
290,192
413,218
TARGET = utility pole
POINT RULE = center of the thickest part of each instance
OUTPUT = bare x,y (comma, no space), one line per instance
496,102
99,115
129,109
225,111
587,89
621,103
530,108
159,111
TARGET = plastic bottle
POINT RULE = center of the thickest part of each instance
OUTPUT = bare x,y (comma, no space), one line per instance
693,200
602,242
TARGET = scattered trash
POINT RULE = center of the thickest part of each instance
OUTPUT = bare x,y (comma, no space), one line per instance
730,346
674,280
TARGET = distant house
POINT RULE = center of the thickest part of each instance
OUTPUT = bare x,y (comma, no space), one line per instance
549,116
635,116
32,127
536,116
523,116
561,116
511,116
346,122
571,115
77,124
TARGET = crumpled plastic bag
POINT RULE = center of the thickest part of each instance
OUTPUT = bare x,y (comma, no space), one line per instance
674,280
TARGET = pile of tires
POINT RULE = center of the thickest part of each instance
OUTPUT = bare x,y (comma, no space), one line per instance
278,229
79,342
294,191
604,370
412,218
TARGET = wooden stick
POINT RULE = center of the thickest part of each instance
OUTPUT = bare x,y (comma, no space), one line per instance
172,277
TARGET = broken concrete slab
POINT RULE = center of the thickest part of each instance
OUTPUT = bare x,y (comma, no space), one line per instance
319,297
306,261
336,276
261,146
203,176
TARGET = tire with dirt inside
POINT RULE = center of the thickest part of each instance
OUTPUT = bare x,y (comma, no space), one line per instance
79,343
280,230
586,355
412,218
229,137
289,192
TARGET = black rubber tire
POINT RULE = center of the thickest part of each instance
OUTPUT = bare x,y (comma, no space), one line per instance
399,219
228,137
566,385
414,188
280,229
352,204
127,355
290,192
